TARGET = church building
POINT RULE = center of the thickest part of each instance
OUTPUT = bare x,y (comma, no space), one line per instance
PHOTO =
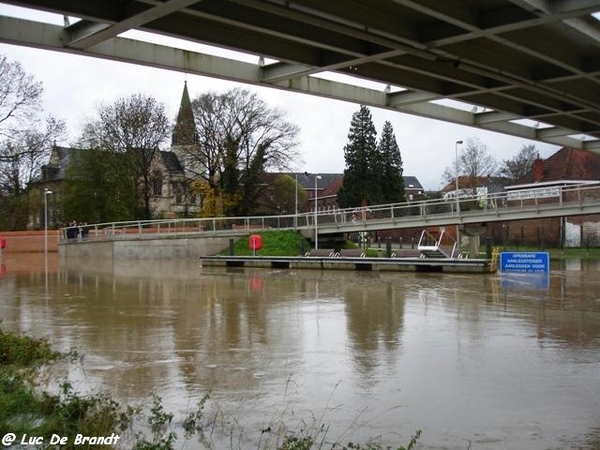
171,174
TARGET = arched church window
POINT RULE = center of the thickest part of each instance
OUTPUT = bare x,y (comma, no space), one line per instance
157,183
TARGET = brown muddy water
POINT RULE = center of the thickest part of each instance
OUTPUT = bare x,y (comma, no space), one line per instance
474,361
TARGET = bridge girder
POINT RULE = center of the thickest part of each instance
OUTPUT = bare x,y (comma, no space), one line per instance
503,60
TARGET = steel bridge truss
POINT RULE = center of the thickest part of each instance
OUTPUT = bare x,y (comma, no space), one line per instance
528,68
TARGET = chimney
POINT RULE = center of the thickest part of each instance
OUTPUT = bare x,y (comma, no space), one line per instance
538,169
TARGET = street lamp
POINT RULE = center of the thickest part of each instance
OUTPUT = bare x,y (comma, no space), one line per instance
456,144
296,207
317,177
47,192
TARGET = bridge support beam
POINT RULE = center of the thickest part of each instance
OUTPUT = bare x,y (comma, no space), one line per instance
474,232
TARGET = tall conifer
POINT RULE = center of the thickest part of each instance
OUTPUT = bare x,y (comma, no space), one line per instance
390,167
359,153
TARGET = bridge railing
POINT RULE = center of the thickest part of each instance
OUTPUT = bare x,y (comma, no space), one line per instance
213,225
465,205
350,218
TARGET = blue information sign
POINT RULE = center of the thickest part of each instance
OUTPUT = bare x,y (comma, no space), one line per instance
529,262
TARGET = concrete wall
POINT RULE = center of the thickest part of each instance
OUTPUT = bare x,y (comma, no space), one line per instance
144,248
29,241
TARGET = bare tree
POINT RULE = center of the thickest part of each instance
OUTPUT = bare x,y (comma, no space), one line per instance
521,164
239,136
20,98
134,127
474,163
20,118
26,138
22,156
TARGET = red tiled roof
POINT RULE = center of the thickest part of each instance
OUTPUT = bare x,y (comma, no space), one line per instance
567,164
465,182
333,188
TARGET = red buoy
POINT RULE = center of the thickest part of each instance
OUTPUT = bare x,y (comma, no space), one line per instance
255,242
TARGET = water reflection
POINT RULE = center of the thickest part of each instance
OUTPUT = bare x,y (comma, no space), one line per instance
471,360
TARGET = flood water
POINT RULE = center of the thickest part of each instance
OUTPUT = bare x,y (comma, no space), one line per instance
474,361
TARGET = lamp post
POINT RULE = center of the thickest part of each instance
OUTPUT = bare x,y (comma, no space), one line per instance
47,192
456,144
317,177
296,207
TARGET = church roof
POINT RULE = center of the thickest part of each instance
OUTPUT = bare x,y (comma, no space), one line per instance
184,132
171,162
62,157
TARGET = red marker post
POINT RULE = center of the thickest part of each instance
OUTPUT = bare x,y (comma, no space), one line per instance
255,243
2,246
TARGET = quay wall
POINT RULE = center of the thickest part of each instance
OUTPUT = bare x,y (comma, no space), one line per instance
31,241
144,247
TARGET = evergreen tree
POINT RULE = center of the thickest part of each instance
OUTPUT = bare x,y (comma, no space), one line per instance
389,167
360,184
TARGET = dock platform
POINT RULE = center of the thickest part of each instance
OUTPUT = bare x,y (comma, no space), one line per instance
447,265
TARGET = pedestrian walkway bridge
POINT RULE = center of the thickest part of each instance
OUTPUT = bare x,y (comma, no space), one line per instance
542,202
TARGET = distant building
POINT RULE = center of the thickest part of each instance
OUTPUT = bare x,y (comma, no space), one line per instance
413,188
171,172
327,187
568,166
170,196
478,187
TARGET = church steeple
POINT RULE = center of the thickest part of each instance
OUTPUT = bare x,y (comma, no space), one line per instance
184,132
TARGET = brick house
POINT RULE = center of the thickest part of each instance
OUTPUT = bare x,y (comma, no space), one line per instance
327,188
568,166
474,187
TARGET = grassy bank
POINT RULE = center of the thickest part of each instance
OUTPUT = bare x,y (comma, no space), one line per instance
282,243
274,243
32,417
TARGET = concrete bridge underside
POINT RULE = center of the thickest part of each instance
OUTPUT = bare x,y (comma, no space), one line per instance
528,68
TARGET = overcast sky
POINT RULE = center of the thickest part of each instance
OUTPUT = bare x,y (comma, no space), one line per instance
74,86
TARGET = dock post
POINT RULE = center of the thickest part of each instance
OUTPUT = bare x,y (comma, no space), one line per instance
388,247
488,248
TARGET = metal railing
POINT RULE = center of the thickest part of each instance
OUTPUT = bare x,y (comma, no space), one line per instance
172,227
570,200
439,244
509,205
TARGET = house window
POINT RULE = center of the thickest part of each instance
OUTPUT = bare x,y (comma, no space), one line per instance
157,183
178,190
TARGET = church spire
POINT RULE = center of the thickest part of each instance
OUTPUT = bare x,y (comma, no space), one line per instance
184,132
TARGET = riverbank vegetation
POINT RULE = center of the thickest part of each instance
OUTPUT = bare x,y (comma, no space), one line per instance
38,418
284,243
